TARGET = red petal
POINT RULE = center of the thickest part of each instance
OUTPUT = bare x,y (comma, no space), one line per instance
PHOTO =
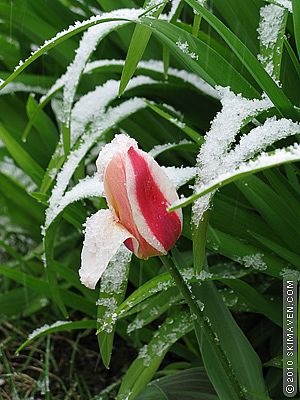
165,226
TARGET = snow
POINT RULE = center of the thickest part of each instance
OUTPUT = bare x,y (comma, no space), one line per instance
86,188
91,109
109,318
93,105
120,144
103,238
21,87
263,161
87,45
271,20
161,148
115,276
180,175
151,65
178,123
285,3
211,160
261,137
290,273
254,261
9,168
174,6
45,327
168,333
184,47
129,14
156,65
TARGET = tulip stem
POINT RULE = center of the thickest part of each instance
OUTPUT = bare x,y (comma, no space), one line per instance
202,322
199,242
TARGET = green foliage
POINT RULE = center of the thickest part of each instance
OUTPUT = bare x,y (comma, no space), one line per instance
222,341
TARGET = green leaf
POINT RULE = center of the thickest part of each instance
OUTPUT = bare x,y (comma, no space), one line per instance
112,292
277,96
137,47
244,361
43,124
21,156
255,300
236,175
59,326
190,384
217,72
185,128
146,364
296,19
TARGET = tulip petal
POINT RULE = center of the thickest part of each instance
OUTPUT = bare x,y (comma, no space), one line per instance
103,237
117,198
120,144
150,192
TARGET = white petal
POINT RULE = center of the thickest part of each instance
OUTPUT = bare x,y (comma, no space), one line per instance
103,237
120,144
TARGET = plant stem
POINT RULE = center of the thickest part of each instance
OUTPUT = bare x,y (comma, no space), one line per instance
199,242
203,323
196,24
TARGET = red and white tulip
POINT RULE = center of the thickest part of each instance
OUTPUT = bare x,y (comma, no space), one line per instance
138,193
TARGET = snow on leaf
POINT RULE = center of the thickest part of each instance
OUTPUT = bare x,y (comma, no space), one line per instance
174,327
45,327
91,110
161,148
271,33
184,47
21,87
78,26
115,275
86,188
260,137
179,176
150,65
112,116
224,128
263,161
174,6
87,45
9,168
283,3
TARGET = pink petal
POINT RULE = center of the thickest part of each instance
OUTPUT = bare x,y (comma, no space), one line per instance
103,237
150,193
117,198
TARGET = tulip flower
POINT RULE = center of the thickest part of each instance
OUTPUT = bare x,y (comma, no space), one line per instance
138,193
